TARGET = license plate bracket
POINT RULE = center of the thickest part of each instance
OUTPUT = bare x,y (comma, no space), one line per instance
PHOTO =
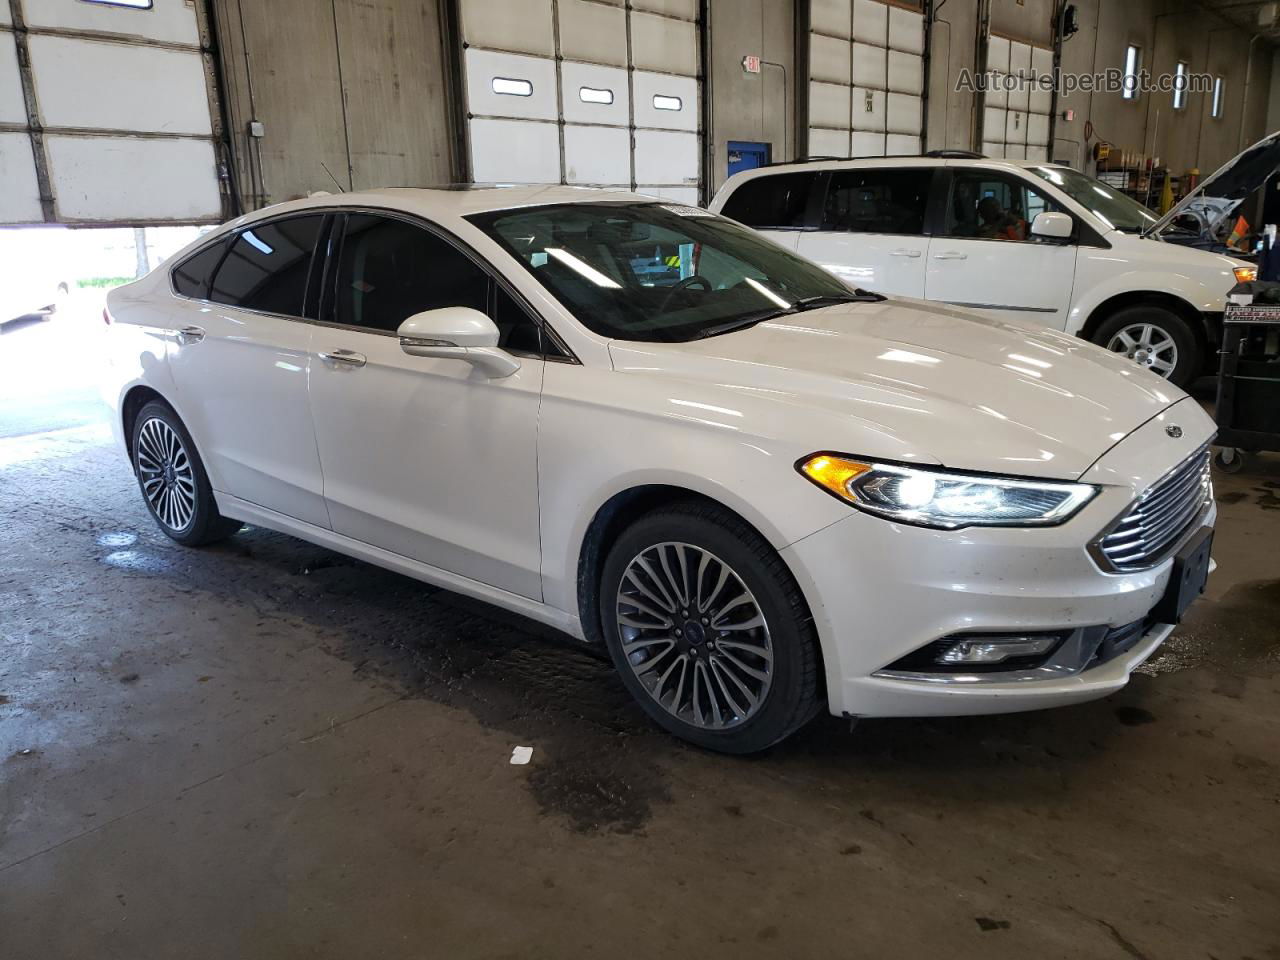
1187,579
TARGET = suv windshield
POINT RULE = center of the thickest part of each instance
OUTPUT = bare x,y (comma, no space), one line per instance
659,271
1107,204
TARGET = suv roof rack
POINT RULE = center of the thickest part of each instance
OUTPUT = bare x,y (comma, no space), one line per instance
932,154
788,163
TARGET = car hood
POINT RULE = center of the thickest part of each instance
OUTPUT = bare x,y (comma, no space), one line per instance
910,380
1204,265
1234,180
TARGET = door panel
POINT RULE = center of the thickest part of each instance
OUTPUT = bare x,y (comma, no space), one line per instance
986,258
244,392
872,229
1001,279
429,459
425,457
241,370
882,263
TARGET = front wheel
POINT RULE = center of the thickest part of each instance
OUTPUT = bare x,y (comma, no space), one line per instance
1155,339
172,479
709,631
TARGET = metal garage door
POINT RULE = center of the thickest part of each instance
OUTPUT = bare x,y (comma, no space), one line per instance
866,79
106,113
1015,123
584,92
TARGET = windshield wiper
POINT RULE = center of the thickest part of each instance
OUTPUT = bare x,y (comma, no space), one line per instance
799,306
741,323
857,296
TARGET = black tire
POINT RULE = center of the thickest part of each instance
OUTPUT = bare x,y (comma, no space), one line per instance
205,524
1190,359
794,694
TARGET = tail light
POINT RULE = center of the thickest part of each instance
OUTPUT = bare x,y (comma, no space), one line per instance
106,316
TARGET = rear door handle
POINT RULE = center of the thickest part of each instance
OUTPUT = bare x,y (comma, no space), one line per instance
346,358
951,255
904,252
190,335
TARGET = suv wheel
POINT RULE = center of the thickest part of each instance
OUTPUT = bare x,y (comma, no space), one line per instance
1154,338
708,629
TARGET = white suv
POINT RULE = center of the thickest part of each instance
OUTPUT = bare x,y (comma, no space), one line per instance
1007,238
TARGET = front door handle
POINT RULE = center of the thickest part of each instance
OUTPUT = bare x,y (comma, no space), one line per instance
346,358
904,252
190,335
951,255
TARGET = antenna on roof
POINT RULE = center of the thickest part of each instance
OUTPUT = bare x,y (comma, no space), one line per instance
341,189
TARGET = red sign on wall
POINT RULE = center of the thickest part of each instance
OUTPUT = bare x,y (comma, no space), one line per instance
751,64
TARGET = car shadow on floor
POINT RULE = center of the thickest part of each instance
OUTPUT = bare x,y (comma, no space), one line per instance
539,686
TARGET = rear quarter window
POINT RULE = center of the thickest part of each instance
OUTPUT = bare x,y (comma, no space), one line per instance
191,277
267,264
776,201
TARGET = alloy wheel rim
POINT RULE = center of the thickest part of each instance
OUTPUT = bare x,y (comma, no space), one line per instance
694,636
165,474
1148,346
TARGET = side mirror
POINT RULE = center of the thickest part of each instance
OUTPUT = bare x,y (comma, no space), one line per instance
1052,226
457,333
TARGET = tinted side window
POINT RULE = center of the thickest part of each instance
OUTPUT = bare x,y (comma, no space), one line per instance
266,267
771,201
987,206
389,270
516,330
191,277
877,201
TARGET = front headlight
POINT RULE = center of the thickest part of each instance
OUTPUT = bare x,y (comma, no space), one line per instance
1245,274
940,498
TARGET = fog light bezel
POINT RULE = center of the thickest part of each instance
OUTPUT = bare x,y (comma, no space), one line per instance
924,660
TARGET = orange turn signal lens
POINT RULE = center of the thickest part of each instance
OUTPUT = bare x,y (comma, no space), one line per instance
834,473
1245,274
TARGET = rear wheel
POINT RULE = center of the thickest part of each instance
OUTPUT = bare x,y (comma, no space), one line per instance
1154,338
172,479
708,629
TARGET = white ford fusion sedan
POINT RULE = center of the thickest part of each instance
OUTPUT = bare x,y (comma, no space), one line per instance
762,490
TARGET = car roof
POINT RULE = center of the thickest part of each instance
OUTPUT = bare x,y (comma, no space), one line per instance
909,160
449,200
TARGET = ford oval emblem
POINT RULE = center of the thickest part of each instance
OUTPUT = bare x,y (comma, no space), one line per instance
1173,430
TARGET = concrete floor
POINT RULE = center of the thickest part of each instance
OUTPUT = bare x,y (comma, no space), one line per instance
264,749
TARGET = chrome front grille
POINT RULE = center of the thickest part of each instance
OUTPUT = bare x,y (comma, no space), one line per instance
1156,522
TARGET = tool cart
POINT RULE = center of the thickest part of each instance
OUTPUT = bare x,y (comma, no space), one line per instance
1248,409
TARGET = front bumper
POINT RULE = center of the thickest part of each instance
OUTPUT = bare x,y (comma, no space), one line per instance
880,590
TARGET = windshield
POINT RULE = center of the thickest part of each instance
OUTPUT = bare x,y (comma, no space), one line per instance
659,271
1107,204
